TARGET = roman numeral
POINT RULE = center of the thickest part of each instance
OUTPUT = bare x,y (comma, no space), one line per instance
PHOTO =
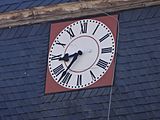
102,63
59,43
104,37
70,32
66,78
95,29
59,69
55,57
106,50
84,27
92,75
79,80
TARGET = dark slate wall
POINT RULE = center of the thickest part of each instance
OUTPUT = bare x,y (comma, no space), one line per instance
10,5
136,90
23,56
23,64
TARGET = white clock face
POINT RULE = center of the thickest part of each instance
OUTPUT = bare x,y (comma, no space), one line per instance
81,54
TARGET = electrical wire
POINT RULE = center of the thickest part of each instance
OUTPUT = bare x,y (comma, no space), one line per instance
111,89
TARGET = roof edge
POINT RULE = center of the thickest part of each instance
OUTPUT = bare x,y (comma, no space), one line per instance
69,10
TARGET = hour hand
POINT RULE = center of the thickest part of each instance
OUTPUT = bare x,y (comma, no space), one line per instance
65,57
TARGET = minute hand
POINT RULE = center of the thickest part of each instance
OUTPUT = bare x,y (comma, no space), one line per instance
75,56
73,60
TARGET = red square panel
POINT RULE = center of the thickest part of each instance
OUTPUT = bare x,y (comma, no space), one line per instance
96,32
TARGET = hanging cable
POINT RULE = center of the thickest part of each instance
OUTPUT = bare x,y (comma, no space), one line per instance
111,89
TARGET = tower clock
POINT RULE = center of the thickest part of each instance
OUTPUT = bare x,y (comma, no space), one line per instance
81,54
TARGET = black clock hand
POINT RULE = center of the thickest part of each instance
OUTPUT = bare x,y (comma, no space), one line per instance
73,60
67,56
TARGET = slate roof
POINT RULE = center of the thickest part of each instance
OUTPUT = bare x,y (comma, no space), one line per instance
136,89
10,5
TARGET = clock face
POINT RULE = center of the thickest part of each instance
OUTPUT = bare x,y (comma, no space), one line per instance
81,54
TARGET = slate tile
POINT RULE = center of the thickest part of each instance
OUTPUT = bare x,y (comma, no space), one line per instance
52,98
14,117
19,110
73,95
154,106
123,118
87,93
136,14
35,99
102,113
57,105
137,109
140,116
123,111
55,112
106,91
141,23
50,118
157,14
31,94
94,92
125,16
80,93
99,91
2,105
152,21
2,84
70,117
7,2
24,5
144,13
104,99
19,31
24,116
4,112
44,29
12,7
34,108
5,34
156,114
26,31
78,102
35,3
129,103
92,114
2,97
3,8
112,113
61,96
33,115
86,108
66,104
12,111
139,101
8,118
48,2
67,96
34,30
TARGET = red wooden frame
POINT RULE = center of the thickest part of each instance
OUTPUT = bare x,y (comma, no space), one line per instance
106,80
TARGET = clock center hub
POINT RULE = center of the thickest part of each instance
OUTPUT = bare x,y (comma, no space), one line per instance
90,49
